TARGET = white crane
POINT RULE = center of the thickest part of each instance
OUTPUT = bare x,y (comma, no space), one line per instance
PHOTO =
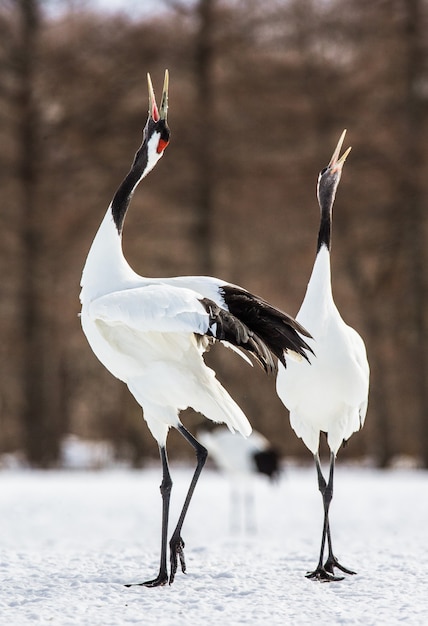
151,332
241,460
331,395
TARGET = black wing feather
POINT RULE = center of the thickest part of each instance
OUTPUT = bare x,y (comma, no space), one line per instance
256,326
276,329
224,326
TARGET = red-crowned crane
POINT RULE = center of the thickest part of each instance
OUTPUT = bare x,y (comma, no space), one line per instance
151,332
330,396
241,460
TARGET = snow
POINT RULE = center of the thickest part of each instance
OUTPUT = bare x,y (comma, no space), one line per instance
70,540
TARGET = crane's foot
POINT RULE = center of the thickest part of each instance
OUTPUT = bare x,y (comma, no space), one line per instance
160,580
323,575
332,562
176,546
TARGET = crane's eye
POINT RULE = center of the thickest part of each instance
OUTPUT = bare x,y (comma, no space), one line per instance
323,171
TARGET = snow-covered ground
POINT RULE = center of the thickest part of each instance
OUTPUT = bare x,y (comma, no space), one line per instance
69,540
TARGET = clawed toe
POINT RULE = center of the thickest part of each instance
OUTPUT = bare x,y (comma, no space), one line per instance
326,573
176,546
323,575
333,562
176,553
159,581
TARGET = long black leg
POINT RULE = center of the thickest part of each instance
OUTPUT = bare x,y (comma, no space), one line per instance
326,489
331,561
325,572
176,543
165,489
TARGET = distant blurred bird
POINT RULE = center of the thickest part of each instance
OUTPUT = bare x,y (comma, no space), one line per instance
331,395
241,460
151,332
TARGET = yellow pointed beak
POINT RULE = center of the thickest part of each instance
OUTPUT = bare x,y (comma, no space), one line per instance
155,113
153,109
337,163
163,111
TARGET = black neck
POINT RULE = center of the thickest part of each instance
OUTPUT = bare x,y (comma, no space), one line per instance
123,195
326,195
324,233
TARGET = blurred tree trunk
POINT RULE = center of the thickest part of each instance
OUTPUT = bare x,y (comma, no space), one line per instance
40,381
204,197
414,212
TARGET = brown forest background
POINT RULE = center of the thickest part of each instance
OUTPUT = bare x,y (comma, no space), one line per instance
259,94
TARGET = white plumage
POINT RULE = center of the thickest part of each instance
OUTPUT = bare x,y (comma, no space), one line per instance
330,395
148,335
151,333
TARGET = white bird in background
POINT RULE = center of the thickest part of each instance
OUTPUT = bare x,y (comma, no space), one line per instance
331,395
151,332
241,460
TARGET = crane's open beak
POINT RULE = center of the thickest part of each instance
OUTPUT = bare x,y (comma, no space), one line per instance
161,113
337,163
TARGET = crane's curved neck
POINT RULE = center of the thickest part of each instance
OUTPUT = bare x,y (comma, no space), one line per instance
145,159
106,268
122,197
